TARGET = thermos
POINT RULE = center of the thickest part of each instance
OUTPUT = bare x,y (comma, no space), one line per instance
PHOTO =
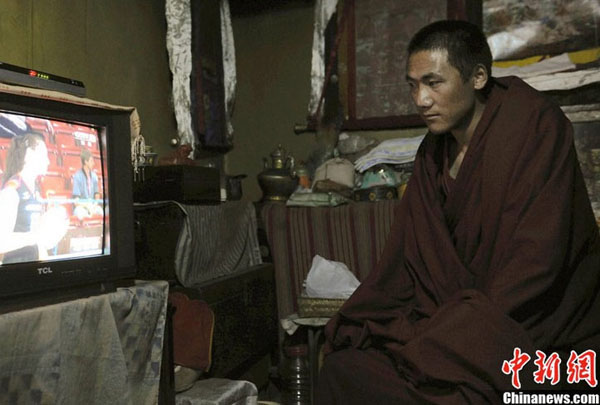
295,374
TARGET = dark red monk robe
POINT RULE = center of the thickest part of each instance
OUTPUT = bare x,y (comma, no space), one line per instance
506,255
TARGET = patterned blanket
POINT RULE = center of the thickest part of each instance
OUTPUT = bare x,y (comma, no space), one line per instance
103,349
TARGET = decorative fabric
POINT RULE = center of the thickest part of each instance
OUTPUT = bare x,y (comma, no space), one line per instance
324,9
216,241
105,349
229,71
354,234
505,256
140,314
219,391
179,47
516,30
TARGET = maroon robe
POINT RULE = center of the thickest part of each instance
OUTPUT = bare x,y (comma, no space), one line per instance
506,255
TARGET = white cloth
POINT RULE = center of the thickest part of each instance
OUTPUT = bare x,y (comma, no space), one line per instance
391,151
330,279
555,64
229,71
105,349
219,391
338,170
179,47
292,322
324,9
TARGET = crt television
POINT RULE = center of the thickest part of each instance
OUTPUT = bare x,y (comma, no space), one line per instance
76,232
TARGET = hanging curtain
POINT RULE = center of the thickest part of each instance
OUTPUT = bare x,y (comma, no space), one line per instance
229,72
324,9
179,46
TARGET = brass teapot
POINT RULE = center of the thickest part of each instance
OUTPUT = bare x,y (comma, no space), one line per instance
278,181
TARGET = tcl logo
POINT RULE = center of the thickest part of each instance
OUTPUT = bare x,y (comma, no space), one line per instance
44,270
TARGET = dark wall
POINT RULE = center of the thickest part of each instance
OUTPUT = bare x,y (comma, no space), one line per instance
117,48
273,51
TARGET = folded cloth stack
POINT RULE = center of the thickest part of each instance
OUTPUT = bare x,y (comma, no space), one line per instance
392,151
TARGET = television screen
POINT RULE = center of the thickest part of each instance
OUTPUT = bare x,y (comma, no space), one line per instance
63,231
53,195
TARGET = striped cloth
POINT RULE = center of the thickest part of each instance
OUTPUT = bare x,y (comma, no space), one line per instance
353,234
216,241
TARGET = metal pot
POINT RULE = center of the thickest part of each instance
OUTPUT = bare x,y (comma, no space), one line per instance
278,181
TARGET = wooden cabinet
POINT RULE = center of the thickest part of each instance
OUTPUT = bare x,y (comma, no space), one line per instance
244,303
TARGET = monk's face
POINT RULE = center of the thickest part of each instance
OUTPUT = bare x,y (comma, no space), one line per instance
443,99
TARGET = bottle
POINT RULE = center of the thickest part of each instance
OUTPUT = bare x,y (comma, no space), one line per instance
302,174
295,374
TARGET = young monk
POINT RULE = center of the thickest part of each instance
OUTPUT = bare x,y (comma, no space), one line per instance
495,246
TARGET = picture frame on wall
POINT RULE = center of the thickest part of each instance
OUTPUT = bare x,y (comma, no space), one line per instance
369,41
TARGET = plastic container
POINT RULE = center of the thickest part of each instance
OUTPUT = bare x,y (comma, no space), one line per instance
295,374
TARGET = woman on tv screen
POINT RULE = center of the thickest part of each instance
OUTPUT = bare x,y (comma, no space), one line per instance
28,227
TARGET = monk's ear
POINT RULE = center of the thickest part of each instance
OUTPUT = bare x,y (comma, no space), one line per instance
480,77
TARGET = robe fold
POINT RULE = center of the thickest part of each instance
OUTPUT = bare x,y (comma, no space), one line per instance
506,255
